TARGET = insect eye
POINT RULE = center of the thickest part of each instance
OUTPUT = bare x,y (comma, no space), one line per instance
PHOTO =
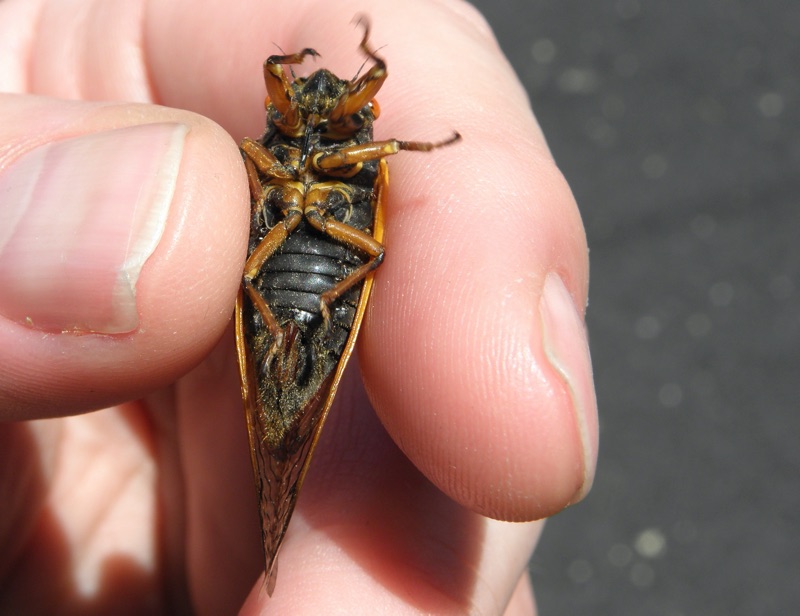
376,108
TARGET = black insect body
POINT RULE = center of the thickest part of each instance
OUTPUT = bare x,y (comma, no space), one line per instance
317,183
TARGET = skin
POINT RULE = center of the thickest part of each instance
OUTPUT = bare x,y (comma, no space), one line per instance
459,420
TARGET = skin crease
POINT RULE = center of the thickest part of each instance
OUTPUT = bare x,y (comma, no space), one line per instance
148,506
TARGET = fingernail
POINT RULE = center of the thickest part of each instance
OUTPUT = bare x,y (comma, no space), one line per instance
567,349
78,220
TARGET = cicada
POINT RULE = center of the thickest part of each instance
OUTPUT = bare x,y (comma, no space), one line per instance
318,182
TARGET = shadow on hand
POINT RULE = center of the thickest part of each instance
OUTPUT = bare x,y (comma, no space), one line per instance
369,498
38,569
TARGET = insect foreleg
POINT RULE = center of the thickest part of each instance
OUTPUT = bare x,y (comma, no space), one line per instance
280,90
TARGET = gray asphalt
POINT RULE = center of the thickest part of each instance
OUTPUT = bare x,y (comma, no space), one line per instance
677,125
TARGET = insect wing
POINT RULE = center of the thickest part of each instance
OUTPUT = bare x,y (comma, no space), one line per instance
280,464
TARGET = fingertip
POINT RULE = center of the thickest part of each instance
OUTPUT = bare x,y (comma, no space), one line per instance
566,347
190,284
124,258
454,350
473,400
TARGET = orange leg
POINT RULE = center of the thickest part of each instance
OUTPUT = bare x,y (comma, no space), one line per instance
266,248
363,90
374,150
354,238
265,161
253,181
280,90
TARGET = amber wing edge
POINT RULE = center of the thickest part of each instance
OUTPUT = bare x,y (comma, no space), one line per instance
248,387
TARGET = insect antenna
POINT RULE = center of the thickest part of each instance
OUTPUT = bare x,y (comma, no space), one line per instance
360,68
364,63
283,53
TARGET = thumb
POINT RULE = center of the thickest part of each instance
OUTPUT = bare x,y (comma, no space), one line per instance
122,236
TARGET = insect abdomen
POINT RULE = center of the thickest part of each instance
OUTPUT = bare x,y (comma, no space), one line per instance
307,265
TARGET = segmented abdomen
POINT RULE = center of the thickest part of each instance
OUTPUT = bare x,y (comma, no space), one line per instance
308,264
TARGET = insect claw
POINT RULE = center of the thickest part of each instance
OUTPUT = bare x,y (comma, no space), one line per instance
268,361
274,348
326,315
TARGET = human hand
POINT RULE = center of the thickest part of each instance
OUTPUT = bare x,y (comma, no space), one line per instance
481,380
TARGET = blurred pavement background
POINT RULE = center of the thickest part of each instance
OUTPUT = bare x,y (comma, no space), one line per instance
677,125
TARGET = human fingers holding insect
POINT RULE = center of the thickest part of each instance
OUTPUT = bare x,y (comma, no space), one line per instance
473,348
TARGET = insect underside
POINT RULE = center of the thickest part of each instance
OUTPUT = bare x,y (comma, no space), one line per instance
317,183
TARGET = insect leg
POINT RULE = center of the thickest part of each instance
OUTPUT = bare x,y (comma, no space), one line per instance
362,90
291,199
265,161
353,238
256,190
279,88
271,242
346,158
